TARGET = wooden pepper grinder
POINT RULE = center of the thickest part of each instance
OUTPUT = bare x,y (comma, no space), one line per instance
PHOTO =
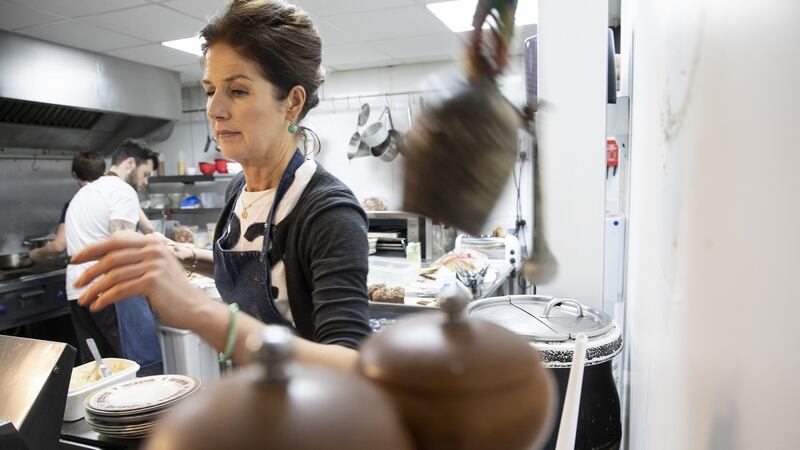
462,384
280,405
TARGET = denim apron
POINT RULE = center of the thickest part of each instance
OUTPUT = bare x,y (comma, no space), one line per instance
246,277
138,336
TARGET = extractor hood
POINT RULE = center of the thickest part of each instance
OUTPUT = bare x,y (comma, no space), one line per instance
62,98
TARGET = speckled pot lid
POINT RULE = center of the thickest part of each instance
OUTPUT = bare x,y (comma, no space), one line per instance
551,325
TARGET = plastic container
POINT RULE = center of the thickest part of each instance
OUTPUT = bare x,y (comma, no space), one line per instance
211,199
391,271
211,228
186,354
74,408
190,202
158,201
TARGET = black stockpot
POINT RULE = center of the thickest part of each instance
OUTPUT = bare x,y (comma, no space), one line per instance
551,325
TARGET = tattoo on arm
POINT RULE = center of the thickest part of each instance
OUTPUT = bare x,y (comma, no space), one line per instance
118,225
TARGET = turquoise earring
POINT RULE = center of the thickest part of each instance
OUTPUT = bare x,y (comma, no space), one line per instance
292,128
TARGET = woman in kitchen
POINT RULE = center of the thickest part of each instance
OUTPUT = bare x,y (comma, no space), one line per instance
291,245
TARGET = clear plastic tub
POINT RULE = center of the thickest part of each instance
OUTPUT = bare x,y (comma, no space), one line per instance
391,271
74,408
185,353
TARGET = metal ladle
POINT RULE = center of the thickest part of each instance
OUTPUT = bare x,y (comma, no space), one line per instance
357,148
542,266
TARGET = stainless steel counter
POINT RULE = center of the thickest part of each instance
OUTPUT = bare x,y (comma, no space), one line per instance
79,435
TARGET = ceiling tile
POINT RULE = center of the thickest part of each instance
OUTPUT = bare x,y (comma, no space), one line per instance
75,8
75,33
153,23
446,46
366,65
14,16
389,24
155,55
331,35
324,8
199,9
338,55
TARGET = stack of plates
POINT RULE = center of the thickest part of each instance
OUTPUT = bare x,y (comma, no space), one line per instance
132,409
387,241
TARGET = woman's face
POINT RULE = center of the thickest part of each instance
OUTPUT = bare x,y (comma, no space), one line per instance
247,120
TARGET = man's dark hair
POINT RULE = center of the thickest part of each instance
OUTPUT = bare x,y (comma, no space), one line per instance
88,166
136,149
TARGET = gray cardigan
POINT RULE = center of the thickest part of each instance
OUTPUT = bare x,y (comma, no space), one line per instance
324,245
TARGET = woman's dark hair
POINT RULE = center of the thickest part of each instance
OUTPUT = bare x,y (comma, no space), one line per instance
88,166
279,38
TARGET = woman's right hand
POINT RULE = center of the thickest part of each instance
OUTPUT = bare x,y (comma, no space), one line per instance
183,251
129,265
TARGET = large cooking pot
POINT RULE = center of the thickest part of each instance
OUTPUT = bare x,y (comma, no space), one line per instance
459,383
551,326
283,406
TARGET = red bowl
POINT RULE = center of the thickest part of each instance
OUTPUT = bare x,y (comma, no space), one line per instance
207,168
221,165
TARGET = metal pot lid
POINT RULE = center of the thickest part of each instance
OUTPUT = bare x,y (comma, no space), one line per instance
542,318
551,325
363,115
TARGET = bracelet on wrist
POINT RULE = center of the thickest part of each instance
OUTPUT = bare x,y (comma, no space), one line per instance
230,343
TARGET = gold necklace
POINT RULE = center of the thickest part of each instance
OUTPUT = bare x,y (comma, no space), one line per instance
244,207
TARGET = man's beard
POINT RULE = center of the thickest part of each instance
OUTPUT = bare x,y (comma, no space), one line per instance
131,179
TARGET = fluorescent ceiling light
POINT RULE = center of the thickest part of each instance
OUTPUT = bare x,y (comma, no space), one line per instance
188,45
457,14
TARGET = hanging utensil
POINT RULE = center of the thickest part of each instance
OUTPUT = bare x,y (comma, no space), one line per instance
460,153
209,139
356,147
363,115
542,266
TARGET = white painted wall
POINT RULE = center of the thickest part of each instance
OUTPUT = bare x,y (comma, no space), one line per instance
714,223
573,43
335,121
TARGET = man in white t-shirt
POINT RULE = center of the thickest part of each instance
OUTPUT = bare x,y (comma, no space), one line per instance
110,204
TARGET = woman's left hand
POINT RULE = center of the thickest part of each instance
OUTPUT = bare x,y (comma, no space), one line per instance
132,265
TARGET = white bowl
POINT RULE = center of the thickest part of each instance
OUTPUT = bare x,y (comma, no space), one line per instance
74,408
234,168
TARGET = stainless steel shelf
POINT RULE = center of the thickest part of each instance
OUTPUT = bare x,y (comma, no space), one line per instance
189,179
391,215
181,211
